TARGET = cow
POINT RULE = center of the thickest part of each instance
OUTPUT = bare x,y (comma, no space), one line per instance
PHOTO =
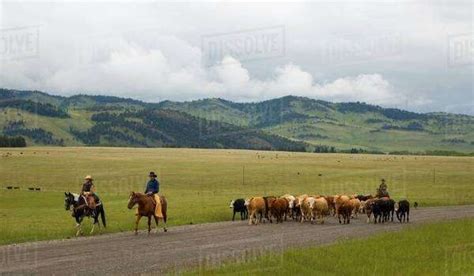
382,208
368,208
338,201
320,209
403,211
355,207
364,197
256,209
344,210
278,209
389,212
297,207
331,204
239,206
268,201
377,209
291,204
307,208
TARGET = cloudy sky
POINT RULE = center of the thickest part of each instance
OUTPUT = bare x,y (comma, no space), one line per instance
412,55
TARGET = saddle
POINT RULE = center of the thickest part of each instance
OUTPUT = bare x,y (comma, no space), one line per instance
90,200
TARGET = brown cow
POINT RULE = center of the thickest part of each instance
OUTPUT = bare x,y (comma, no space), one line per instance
256,207
268,205
355,207
345,210
331,204
291,204
338,201
320,209
278,209
368,208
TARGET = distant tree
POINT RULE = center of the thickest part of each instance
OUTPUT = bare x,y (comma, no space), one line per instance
12,142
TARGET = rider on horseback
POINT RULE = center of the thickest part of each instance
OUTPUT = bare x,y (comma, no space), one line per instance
152,189
382,190
88,191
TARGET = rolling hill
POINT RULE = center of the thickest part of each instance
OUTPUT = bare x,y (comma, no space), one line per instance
288,123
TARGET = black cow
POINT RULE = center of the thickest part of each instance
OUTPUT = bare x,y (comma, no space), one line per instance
238,206
403,211
364,197
383,210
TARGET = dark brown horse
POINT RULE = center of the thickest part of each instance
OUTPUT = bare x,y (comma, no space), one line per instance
146,208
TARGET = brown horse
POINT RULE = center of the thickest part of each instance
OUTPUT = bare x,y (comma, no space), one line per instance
146,208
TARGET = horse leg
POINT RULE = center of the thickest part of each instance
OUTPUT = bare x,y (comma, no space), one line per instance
92,230
156,223
136,223
149,224
78,225
79,230
96,221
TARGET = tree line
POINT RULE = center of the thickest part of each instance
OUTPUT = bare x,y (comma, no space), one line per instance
12,142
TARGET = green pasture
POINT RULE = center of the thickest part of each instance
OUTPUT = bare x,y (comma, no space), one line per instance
199,183
434,249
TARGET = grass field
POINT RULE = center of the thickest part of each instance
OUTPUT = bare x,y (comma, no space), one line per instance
433,249
200,183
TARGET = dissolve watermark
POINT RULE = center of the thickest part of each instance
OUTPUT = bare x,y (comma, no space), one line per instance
355,48
243,45
219,125
19,43
461,50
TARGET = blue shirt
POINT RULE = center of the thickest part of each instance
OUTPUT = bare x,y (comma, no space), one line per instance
153,186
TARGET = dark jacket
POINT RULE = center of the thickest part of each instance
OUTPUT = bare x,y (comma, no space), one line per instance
153,186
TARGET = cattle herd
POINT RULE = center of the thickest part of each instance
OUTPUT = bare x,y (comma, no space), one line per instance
317,207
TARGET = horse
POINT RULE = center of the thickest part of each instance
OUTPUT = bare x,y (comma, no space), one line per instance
80,210
146,208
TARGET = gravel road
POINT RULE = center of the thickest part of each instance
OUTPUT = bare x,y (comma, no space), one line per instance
192,245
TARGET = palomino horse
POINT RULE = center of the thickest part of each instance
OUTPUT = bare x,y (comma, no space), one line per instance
80,210
146,208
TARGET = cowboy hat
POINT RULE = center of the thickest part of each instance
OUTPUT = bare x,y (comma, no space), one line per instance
152,174
88,177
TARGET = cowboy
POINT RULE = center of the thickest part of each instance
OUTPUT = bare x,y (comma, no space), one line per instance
88,189
152,189
382,190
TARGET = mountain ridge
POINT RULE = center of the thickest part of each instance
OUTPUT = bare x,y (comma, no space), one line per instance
300,120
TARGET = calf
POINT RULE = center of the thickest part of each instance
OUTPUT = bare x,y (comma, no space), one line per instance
403,211
239,206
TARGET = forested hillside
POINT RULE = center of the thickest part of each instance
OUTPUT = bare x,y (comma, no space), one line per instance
288,123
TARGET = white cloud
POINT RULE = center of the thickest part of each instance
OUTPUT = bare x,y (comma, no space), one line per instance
152,51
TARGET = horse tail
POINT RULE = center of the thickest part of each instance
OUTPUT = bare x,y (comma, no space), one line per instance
102,216
164,208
